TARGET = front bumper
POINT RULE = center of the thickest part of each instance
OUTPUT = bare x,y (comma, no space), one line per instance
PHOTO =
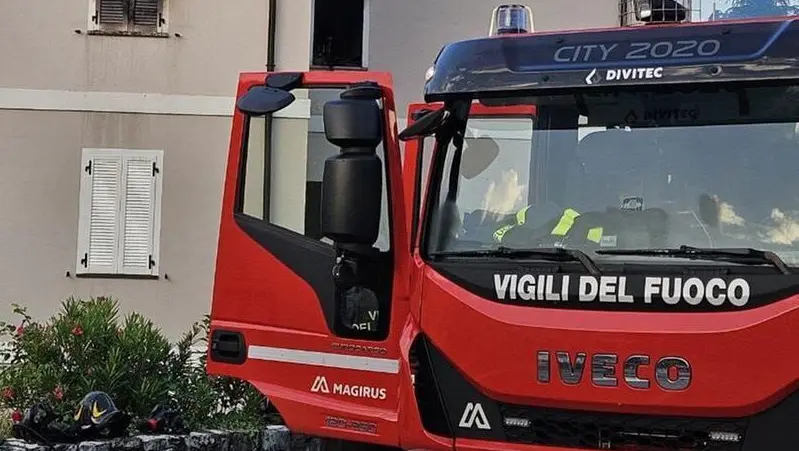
442,392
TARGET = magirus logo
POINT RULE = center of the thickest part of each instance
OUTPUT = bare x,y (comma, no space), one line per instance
320,385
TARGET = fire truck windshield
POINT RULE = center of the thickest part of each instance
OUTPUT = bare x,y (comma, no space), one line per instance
710,166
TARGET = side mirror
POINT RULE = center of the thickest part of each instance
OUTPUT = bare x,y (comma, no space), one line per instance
352,180
262,100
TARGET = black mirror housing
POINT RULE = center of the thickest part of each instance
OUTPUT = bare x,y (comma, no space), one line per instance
353,180
353,123
263,100
351,197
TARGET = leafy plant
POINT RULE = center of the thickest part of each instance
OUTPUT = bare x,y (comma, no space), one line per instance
87,347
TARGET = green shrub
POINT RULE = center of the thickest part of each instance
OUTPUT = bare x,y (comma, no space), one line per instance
86,347
5,425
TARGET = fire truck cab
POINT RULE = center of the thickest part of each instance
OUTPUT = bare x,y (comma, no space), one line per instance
591,244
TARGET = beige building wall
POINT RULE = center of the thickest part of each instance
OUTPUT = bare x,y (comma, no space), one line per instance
63,90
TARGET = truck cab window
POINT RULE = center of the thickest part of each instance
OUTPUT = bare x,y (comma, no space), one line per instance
637,169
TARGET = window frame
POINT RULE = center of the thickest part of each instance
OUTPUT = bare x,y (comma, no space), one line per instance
314,125
364,40
118,270
128,28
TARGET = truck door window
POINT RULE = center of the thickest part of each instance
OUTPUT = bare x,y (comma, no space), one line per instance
282,186
283,182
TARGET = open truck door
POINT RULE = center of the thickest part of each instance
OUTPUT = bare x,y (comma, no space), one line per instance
314,323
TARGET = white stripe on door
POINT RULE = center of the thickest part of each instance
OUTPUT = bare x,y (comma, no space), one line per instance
326,359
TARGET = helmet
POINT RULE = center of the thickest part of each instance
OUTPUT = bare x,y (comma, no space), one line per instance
98,415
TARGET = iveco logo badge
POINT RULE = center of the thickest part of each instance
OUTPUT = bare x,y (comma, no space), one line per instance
672,373
474,416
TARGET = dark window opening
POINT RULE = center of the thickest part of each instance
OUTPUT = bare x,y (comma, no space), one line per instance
338,33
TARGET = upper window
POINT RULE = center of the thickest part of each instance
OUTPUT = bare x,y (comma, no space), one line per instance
142,17
120,212
340,34
689,10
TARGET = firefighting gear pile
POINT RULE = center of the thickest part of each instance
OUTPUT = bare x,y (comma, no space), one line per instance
162,421
96,417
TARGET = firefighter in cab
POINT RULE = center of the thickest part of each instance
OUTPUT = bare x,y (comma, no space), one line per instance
602,219
544,223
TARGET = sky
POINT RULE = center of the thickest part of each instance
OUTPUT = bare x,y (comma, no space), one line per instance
707,6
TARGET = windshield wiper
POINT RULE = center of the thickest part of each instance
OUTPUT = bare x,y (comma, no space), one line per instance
545,253
742,255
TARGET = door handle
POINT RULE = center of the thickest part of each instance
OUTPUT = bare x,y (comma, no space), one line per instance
228,347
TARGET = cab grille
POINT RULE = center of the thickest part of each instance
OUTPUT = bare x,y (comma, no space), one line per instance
570,429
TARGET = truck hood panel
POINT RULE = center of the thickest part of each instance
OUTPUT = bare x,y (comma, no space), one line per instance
726,364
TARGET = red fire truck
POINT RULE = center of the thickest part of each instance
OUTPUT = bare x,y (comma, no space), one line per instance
593,245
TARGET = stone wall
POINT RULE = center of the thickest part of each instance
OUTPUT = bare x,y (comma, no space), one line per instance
273,438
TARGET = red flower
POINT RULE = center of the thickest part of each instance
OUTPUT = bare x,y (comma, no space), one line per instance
16,416
20,330
7,393
58,392
77,330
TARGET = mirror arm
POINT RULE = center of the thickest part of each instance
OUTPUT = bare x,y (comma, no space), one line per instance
427,124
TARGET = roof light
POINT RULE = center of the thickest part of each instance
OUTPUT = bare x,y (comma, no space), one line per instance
643,10
511,19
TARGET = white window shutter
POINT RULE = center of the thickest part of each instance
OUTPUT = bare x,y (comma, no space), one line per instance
146,12
99,214
138,245
112,11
